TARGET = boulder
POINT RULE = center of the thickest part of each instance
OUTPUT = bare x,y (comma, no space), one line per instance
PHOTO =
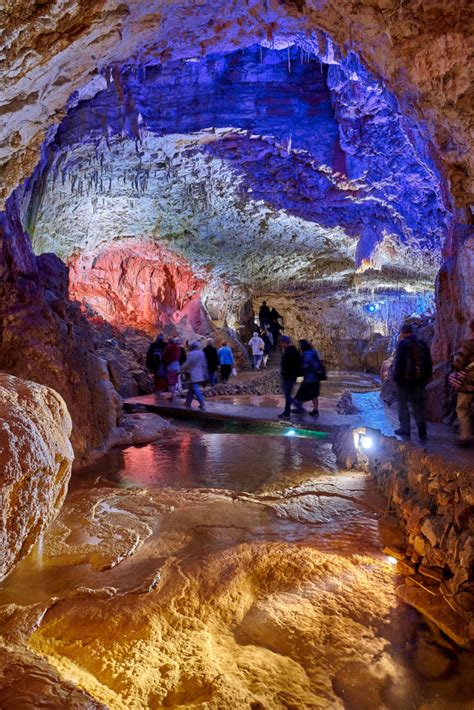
35,464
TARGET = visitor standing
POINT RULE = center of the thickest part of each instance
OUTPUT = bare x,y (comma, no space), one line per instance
155,363
212,359
226,361
275,316
257,346
313,372
264,315
412,372
290,370
171,355
267,346
196,365
464,365
275,330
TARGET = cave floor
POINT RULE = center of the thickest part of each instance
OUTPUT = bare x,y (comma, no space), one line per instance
220,570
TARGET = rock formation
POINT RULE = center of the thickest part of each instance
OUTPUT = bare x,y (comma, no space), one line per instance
35,464
277,147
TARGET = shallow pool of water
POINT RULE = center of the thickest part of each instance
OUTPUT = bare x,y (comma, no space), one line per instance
230,456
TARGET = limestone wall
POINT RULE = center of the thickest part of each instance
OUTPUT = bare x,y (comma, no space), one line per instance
35,464
434,502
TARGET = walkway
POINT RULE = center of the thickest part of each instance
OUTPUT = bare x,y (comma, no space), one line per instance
265,409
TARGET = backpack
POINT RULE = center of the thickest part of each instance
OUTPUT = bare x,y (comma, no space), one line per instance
153,359
418,366
318,368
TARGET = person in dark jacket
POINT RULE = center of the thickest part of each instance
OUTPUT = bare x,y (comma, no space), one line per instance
275,330
212,359
313,371
412,372
267,338
290,369
264,315
155,363
464,366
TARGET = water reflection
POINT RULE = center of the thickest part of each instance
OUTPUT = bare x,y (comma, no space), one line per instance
207,459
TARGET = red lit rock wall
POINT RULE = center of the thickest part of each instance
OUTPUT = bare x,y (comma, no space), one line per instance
133,283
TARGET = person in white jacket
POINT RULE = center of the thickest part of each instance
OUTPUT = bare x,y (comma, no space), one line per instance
196,365
258,346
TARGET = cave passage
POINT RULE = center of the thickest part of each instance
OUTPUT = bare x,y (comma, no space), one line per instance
226,565
212,183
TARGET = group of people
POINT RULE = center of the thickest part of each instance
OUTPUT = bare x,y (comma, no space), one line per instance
413,370
304,363
265,336
168,360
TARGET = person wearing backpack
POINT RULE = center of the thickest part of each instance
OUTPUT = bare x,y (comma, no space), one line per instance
463,382
412,372
155,363
313,372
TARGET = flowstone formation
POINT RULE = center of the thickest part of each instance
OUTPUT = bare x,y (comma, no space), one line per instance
35,464
204,597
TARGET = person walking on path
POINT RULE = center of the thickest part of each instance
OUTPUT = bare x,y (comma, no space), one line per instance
290,370
412,372
275,330
258,346
196,365
267,346
313,372
226,361
463,381
171,355
212,359
154,362
264,315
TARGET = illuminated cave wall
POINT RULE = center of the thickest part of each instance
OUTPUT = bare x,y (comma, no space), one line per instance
264,168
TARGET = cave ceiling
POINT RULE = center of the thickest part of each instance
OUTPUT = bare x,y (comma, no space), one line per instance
279,164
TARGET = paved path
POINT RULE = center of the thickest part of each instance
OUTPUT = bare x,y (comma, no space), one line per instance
265,409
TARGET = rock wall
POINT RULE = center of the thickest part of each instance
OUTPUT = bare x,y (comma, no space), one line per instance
351,328
45,338
434,502
135,284
35,464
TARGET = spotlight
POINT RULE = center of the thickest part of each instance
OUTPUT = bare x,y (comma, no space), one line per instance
391,560
362,440
290,432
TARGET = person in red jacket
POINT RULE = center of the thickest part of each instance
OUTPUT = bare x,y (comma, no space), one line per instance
170,357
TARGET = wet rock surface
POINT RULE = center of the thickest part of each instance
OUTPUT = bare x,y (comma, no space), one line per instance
433,499
35,464
277,598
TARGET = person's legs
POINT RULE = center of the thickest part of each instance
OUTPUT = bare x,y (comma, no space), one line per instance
315,411
212,378
403,411
199,395
225,372
463,410
265,360
258,361
190,395
418,400
287,390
